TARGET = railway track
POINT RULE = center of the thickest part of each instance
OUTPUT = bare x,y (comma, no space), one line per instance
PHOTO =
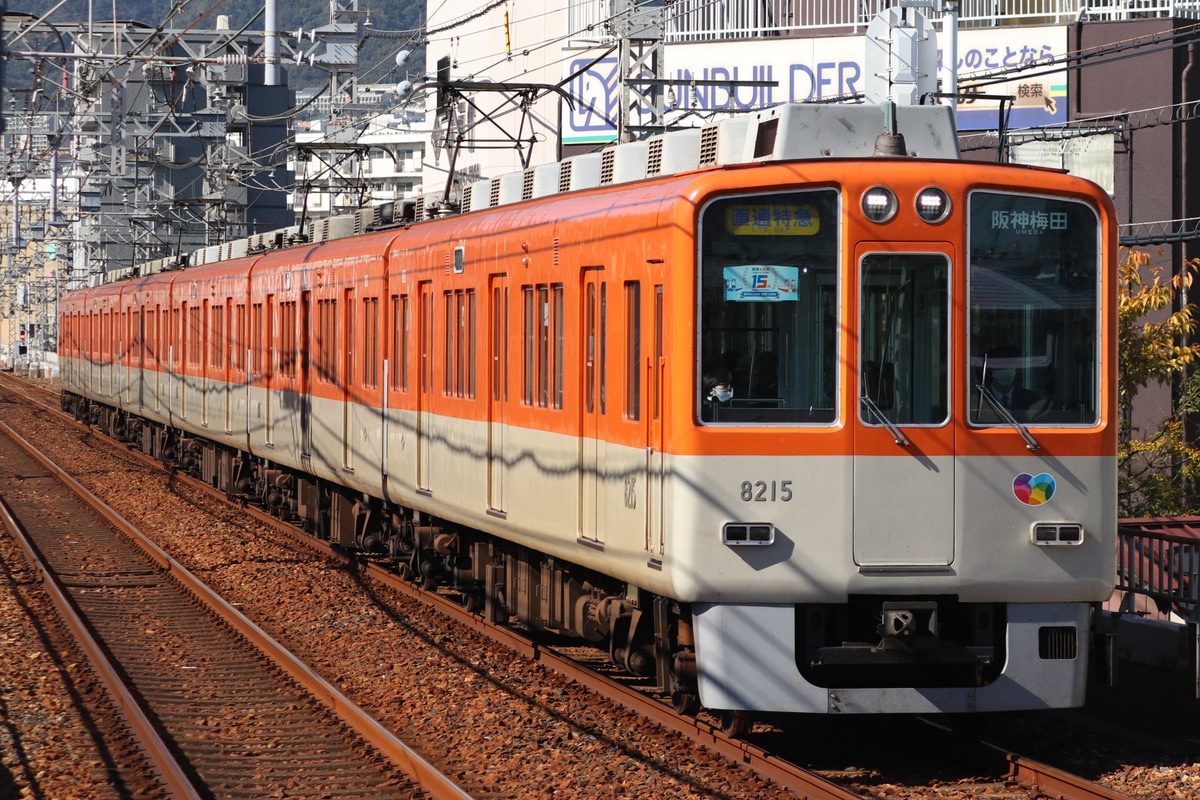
1021,777
220,710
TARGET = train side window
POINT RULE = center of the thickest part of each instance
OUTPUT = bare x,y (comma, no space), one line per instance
399,349
589,365
150,341
469,337
258,344
178,336
331,343
203,325
370,343
499,354
603,336
348,333
181,330
542,345
394,344
557,294
656,401
195,334
217,338
633,350
287,339
448,346
126,335
326,344
459,377
499,342
243,340
427,341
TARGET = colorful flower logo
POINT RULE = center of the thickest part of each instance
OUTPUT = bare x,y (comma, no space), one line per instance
1033,490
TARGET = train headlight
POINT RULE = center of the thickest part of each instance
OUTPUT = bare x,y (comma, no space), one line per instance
933,205
748,534
1049,534
879,204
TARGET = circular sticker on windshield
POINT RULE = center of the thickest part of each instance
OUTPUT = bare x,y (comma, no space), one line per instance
1033,490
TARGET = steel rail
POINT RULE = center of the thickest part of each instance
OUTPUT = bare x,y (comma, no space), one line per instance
1027,772
391,747
1056,783
158,754
806,784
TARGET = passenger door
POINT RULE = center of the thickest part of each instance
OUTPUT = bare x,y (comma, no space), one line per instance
306,338
903,439
425,387
591,445
497,390
655,466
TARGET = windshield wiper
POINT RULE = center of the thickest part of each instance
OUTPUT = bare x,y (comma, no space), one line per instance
1030,442
883,419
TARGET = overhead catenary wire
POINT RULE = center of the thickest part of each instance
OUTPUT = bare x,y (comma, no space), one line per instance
509,106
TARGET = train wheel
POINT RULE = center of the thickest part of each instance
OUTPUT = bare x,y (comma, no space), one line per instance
686,704
472,601
735,724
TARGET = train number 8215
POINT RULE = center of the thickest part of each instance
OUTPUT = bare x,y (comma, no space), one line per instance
766,491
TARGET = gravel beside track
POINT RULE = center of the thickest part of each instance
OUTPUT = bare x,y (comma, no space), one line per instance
59,736
502,727
238,726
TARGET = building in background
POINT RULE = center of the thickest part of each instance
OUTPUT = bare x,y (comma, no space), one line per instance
127,144
1102,88
382,163
522,84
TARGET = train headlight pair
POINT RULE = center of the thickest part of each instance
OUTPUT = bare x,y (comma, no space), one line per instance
879,204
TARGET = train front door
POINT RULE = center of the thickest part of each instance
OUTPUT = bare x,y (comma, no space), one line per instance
903,438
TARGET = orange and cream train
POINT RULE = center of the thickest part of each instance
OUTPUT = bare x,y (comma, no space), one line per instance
789,425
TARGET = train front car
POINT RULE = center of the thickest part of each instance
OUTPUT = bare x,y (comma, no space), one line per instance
898,490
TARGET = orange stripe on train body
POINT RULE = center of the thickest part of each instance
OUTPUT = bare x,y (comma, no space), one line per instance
644,232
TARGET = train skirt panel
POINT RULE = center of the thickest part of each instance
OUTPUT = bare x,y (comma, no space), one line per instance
753,657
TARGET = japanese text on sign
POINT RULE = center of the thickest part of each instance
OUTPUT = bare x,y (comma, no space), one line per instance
765,219
1029,223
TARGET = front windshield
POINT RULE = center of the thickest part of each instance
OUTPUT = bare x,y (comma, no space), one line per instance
1033,276
768,312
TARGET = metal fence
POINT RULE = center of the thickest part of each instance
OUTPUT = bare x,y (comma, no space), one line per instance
718,20
1161,565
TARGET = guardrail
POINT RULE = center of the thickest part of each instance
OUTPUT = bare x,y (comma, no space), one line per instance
1155,559
717,20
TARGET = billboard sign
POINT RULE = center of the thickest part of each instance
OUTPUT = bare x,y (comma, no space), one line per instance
822,69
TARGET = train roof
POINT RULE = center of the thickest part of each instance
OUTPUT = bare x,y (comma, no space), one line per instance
794,131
